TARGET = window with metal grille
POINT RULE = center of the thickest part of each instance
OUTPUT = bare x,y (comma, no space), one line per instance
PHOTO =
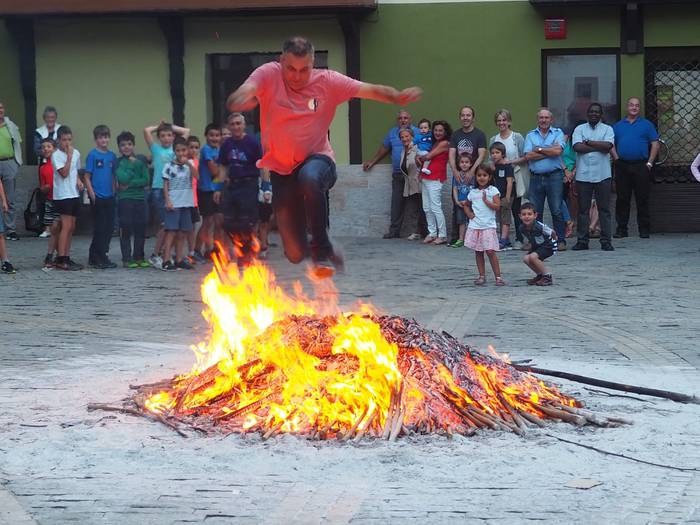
672,103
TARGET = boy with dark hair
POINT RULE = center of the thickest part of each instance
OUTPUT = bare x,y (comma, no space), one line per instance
99,180
177,192
503,177
66,195
161,153
51,222
131,174
543,244
193,148
207,186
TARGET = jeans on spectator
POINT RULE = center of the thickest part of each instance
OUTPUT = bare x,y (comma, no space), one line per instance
300,201
550,187
103,223
8,177
132,222
632,177
239,205
602,191
515,208
432,205
565,215
398,202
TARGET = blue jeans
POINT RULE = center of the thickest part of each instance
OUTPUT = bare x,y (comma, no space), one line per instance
300,201
550,187
103,225
132,223
156,203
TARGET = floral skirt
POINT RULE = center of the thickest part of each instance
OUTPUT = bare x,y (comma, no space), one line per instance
481,240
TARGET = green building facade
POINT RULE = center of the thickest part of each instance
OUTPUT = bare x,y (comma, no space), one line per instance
130,69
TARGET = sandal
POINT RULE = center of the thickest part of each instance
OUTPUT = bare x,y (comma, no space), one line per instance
440,240
500,281
480,280
429,239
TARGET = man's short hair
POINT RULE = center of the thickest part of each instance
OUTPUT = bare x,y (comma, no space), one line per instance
179,141
193,139
470,108
64,130
596,104
298,46
126,136
528,206
211,126
234,115
498,146
49,109
101,131
164,127
545,108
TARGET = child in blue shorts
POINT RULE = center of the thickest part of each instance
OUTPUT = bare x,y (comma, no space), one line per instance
179,201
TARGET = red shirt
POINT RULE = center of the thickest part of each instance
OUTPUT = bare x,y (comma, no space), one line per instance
294,124
438,166
46,177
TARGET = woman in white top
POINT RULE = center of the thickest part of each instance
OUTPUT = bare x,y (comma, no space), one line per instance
514,143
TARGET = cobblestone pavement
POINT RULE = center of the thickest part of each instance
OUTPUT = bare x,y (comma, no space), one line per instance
73,338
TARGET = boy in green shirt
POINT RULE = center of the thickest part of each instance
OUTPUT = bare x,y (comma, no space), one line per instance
132,180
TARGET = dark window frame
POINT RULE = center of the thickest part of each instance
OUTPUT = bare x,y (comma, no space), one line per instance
583,51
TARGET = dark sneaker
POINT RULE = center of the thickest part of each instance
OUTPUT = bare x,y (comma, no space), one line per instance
607,247
620,234
7,267
580,246
48,261
184,264
534,280
95,264
107,264
169,266
643,235
391,235
545,280
72,266
12,236
198,258
323,269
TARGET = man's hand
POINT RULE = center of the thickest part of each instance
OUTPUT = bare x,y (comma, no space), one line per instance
243,98
169,205
409,95
366,166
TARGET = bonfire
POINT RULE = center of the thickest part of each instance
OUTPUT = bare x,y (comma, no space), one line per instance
277,362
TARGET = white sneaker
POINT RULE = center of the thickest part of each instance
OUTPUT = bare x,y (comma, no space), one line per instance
156,261
426,171
44,234
414,237
517,245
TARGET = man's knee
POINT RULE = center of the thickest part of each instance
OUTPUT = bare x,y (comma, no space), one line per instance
294,256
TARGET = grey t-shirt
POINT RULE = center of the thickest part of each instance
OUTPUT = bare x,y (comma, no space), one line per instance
468,142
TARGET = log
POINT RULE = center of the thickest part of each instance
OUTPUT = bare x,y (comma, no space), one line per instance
654,392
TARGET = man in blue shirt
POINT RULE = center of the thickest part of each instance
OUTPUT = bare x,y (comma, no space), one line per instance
392,144
543,148
636,147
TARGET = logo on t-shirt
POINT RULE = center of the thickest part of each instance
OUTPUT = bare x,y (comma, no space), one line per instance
100,163
313,104
501,173
465,146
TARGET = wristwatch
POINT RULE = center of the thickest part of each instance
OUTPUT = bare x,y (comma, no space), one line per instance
539,149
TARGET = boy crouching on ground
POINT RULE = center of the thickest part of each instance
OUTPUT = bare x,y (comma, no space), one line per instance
177,192
543,244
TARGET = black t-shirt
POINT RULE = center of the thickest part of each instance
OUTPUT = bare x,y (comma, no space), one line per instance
468,142
500,178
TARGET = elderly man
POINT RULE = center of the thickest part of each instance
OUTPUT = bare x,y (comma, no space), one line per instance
636,147
297,105
392,144
592,142
10,161
543,148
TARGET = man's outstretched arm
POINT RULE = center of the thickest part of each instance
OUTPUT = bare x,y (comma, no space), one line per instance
388,94
243,99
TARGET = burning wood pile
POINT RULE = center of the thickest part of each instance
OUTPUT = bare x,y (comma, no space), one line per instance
280,364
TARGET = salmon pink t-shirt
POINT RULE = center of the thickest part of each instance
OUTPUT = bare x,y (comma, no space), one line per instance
294,124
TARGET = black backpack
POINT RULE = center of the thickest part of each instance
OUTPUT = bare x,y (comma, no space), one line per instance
32,215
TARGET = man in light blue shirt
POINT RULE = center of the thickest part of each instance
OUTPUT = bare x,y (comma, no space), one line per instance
392,144
543,148
592,142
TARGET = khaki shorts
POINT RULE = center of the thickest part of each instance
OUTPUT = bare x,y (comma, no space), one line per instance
505,213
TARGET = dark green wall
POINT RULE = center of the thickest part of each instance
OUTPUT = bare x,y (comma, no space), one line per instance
484,54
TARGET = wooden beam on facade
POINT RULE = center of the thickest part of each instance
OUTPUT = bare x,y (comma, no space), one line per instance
173,28
351,34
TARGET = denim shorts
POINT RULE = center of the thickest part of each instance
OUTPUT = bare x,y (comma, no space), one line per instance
178,219
157,202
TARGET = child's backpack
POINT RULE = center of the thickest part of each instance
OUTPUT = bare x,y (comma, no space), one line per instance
32,215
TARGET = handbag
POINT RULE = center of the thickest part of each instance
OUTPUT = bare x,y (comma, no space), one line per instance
32,217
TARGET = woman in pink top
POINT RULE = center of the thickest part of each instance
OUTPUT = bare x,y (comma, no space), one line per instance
297,105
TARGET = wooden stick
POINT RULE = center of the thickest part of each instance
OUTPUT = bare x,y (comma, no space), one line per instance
666,394
133,412
563,415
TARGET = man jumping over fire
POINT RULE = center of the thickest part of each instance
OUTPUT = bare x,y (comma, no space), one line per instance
297,105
